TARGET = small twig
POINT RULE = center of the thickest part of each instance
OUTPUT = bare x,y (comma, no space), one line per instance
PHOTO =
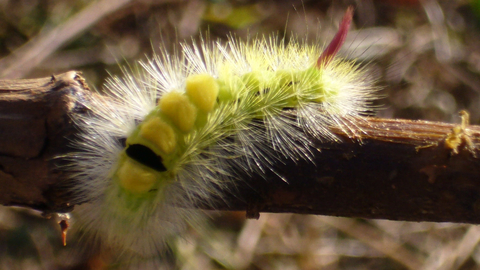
27,57
372,237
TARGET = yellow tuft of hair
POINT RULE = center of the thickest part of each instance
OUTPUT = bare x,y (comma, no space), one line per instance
202,90
179,109
135,178
159,133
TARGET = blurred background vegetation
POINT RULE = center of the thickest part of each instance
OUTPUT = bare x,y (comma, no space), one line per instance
425,55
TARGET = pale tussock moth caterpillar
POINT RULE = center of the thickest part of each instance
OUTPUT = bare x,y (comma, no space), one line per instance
175,129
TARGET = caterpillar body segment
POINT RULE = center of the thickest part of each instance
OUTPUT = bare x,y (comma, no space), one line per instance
268,94
158,142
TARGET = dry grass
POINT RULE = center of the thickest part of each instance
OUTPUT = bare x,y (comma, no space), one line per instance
426,56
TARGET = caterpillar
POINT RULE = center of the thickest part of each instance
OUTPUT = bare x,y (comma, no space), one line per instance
173,131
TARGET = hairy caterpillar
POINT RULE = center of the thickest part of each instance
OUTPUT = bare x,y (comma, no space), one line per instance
174,132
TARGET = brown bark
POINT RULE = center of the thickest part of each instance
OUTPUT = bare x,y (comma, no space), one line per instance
393,169
35,128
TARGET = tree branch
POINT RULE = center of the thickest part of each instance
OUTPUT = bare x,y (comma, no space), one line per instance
35,127
393,169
